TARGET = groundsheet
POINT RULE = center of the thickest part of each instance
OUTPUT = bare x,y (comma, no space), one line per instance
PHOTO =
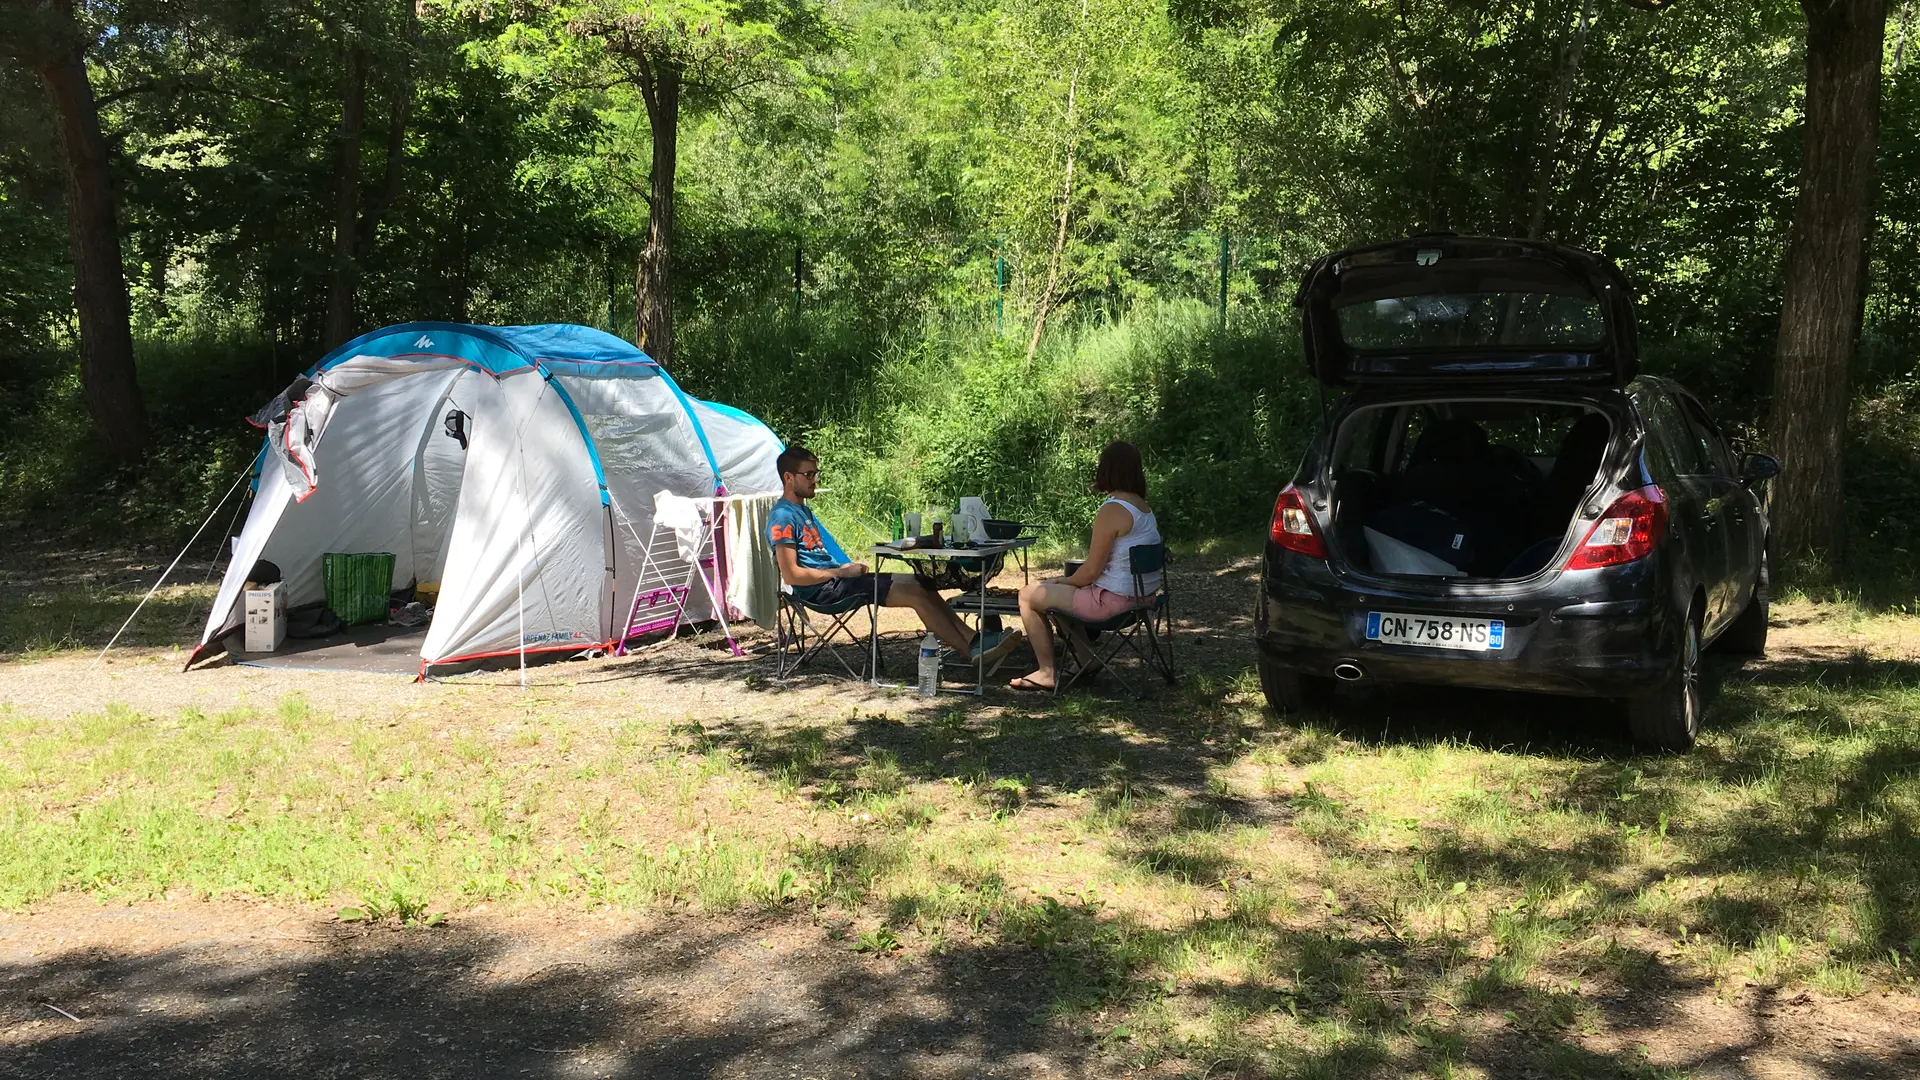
375,649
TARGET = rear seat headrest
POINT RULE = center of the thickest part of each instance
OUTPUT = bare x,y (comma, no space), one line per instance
1583,446
1449,442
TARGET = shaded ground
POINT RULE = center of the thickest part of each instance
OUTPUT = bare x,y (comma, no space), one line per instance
666,865
236,990
374,650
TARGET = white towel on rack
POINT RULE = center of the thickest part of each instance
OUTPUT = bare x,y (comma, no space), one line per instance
682,515
753,581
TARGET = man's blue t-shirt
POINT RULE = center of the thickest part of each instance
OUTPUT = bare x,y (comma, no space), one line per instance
794,523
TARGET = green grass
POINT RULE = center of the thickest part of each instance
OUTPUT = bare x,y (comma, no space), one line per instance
1201,882
40,621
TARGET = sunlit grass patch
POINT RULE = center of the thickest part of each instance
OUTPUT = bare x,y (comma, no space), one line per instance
38,622
302,806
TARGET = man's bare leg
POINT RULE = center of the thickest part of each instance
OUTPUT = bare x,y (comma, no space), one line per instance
934,613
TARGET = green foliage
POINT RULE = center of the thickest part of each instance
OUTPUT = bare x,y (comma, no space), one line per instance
1221,418
851,179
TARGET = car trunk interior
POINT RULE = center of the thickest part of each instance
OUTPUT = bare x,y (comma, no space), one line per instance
1462,488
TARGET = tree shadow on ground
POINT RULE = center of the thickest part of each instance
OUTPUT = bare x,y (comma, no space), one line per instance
691,999
683,1000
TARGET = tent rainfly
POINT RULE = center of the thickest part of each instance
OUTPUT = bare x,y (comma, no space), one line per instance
516,466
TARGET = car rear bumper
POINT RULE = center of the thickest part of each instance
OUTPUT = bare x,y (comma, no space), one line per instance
1557,642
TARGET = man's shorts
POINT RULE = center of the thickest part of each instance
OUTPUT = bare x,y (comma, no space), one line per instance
837,591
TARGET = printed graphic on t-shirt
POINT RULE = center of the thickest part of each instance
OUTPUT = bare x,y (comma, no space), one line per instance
791,523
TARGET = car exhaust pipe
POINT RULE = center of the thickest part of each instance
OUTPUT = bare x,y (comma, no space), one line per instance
1348,671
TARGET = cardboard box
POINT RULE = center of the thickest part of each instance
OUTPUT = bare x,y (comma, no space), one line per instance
266,618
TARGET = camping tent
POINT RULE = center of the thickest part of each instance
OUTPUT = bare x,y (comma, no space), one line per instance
515,466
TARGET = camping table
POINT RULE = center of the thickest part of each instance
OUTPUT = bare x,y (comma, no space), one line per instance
974,601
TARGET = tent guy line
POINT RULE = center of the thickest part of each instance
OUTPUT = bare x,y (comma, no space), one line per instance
211,514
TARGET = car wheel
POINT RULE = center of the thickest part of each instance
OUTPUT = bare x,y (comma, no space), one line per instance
1289,691
1748,634
1669,718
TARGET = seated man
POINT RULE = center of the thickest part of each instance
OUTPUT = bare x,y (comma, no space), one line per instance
818,579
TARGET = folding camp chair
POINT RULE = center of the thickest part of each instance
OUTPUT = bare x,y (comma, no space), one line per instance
1146,630
794,627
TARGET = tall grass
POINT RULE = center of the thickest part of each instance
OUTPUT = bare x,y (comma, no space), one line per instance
1221,417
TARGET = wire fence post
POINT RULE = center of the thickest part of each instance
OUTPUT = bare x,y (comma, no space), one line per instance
1226,247
999,288
613,293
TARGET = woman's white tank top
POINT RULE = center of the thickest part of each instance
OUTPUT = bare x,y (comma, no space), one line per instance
1118,575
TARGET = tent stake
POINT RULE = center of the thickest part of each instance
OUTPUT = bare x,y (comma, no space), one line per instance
244,473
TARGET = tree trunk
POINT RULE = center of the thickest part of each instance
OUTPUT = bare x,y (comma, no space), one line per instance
107,375
1900,42
1557,122
1060,232
1825,272
653,276
341,279
399,113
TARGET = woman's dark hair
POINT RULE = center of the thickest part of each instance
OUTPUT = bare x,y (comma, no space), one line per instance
1120,470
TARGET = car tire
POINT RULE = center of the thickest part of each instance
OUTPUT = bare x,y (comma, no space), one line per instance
1288,691
1669,718
1748,634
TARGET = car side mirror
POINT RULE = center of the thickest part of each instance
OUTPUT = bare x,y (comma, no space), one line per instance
1757,467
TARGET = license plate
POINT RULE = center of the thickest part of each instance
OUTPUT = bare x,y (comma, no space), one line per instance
1436,632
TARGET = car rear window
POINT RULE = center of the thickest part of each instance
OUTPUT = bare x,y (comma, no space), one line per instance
1473,320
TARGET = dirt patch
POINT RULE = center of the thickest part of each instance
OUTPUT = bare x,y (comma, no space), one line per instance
1804,632
231,989
1764,1034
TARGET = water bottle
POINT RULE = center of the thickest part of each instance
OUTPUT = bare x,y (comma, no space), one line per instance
929,665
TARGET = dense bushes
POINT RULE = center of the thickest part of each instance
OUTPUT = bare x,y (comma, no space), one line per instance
197,389
924,418
1221,417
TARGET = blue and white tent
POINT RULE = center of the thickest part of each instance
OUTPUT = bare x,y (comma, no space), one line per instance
516,466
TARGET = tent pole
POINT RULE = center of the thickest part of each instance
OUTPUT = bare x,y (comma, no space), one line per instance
211,514
520,575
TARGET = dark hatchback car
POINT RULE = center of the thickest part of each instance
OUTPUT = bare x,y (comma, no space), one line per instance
1498,500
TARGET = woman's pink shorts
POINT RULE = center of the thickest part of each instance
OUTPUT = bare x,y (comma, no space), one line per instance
1095,604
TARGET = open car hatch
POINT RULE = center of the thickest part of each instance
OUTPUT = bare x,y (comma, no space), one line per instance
1458,310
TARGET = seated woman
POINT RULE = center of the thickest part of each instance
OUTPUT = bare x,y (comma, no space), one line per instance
1103,586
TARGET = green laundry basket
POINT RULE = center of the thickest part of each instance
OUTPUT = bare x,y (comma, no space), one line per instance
358,584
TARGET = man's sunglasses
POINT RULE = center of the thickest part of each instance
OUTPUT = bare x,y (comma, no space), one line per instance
809,473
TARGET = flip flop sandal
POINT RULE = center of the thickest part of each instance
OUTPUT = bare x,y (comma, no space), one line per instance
1028,686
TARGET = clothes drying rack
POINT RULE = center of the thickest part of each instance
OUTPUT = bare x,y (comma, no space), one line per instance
663,608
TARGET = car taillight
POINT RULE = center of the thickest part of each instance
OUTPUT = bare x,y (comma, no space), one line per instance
1292,526
1631,528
